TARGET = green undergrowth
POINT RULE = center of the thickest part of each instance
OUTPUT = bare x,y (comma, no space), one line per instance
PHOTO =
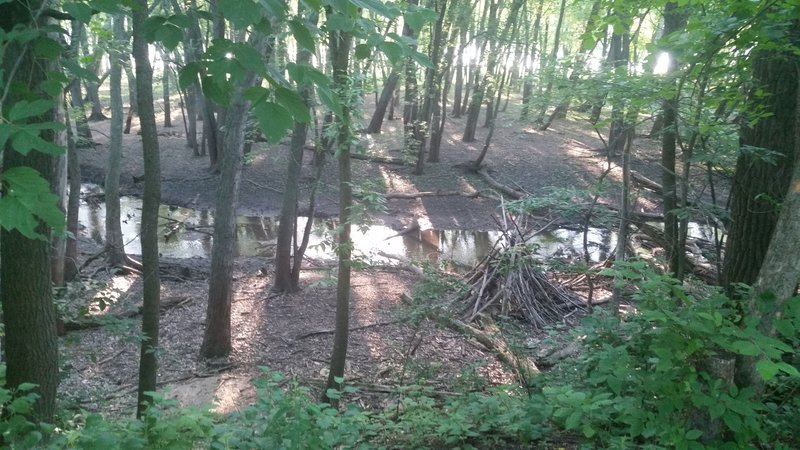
654,378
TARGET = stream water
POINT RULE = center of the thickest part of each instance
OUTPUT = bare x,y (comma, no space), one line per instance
186,233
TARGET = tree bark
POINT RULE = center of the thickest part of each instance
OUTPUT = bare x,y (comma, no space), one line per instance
759,185
389,87
31,349
674,21
115,246
73,204
148,360
165,92
217,336
340,57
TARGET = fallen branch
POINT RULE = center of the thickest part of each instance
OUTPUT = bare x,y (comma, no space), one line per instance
379,159
509,191
524,366
333,330
413,195
89,322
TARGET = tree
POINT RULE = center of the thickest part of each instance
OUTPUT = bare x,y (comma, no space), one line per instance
217,336
115,246
339,43
30,211
148,360
766,159
288,256
674,22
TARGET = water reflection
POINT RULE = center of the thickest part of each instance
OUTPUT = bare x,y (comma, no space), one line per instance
186,233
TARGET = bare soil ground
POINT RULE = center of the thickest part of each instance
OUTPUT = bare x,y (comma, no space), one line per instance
293,333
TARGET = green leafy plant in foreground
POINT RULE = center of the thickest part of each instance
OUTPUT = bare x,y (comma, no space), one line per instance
663,375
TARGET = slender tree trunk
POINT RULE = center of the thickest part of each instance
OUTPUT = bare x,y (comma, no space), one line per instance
31,348
73,204
551,72
430,96
624,217
165,86
674,21
115,246
411,97
284,280
340,57
148,360
76,99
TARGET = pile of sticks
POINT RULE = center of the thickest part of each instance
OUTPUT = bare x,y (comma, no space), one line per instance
511,282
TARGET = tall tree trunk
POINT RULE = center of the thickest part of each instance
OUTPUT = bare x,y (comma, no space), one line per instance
551,65
340,57
674,21
31,349
73,204
76,99
151,291
411,95
217,336
385,99
115,246
759,185
165,86
286,253
430,96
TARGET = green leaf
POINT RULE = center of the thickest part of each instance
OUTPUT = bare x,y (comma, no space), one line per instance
339,22
24,109
249,58
392,50
384,9
169,35
745,348
47,48
27,196
302,35
188,75
767,369
151,27
422,59
80,11
273,119
26,139
417,18
329,99
216,92
76,70
293,103
788,369
692,435
363,51
256,94
241,13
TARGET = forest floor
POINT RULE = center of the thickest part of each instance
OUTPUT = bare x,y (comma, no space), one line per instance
293,333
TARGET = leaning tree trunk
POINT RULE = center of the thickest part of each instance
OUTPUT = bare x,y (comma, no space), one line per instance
151,291
31,348
385,99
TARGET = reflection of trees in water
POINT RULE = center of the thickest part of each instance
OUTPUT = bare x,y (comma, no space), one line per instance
96,225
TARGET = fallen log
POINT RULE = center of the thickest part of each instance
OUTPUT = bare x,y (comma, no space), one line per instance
509,191
524,366
379,159
413,195
89,322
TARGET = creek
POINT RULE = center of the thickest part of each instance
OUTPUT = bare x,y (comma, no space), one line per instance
186,233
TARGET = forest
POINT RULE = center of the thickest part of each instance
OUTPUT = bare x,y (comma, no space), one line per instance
373,224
